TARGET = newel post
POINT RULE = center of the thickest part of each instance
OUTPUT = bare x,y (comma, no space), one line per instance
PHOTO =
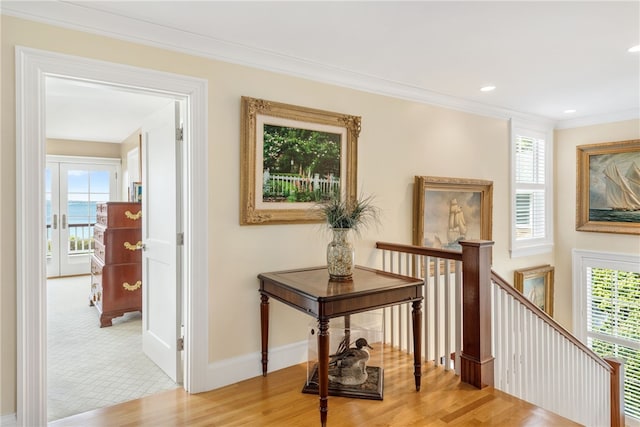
617,391
476,361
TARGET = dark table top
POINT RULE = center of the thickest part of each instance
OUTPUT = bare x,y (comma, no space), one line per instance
310,290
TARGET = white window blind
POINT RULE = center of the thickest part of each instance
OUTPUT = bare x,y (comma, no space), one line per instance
531,190
613,324
530,165
530,187
530,214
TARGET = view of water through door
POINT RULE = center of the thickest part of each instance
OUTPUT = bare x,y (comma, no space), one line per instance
73,187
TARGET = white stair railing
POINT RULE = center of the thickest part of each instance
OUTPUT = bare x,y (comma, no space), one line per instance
535,359
538,361
441,308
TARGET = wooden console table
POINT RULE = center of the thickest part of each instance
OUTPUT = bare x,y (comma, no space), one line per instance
310,291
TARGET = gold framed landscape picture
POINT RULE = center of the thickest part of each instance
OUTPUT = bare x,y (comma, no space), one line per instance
536,284
608,187
292,159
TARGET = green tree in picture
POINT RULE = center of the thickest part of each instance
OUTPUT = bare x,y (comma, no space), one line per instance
303,156
301,151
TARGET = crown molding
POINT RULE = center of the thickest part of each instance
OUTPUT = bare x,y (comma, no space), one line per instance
619,116
81,17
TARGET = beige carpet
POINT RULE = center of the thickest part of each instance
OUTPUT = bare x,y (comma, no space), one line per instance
89,367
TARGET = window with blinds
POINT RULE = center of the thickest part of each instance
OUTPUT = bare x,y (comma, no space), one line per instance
531,226
613,324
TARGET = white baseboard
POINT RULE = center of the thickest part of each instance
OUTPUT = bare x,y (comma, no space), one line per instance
8,420
230,371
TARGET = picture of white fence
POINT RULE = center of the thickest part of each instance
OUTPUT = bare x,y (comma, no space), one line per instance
296,188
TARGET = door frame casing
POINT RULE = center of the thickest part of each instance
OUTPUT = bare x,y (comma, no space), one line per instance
32,66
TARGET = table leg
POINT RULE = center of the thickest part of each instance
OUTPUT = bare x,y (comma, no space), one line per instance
264,324
323,368
347,329
416,314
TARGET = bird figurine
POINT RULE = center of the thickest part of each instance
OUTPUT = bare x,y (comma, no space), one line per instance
349,365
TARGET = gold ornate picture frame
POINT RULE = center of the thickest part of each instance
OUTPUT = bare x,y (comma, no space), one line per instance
447,210
292,158
536,284
608,187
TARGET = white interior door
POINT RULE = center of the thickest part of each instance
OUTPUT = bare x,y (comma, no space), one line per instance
161,223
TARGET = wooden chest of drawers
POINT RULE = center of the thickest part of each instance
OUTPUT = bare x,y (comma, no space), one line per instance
123,243
116,263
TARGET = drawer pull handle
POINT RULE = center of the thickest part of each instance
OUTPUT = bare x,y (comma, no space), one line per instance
134,217
131,247
133,287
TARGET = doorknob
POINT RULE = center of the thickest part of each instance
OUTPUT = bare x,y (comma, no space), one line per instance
55,221
64,221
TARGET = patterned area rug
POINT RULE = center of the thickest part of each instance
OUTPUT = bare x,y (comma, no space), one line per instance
89,367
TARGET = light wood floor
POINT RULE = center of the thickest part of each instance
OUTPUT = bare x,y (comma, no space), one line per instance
277,401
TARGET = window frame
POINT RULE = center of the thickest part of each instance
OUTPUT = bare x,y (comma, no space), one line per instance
535,245
581,260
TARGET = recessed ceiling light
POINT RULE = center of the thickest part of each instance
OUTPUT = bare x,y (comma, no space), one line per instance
569,111
634,49
487,88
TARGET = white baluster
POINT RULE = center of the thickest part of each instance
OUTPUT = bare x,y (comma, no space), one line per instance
447,315
458,314
428,301
436,310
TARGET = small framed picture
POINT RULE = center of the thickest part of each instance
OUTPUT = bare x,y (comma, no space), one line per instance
536,284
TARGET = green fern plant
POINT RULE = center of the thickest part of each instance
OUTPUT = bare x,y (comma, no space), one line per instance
354,214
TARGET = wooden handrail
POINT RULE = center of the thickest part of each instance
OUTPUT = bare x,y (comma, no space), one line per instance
420,250
505,286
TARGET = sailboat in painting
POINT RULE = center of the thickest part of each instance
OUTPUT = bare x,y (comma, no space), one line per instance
457,225
622,191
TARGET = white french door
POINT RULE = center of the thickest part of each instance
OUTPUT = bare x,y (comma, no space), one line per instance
73,187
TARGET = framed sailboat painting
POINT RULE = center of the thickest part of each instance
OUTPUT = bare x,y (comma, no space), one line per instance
447,210
608,187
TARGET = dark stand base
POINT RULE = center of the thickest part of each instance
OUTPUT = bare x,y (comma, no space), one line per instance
371,389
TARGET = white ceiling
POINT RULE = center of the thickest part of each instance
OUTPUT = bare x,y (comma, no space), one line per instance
544,57
84,111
